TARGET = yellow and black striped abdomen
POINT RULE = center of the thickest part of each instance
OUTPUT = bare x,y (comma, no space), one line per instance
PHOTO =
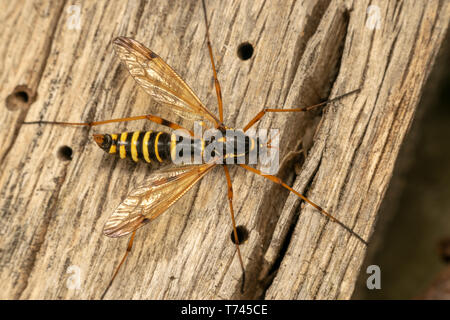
148,146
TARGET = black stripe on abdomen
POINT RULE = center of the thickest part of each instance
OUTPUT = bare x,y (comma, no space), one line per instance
162,149
164,146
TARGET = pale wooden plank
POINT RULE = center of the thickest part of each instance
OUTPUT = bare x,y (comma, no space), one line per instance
53,211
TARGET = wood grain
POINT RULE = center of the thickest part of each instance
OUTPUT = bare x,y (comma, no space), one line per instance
53,210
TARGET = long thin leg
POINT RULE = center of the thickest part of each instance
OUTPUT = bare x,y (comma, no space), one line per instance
216,80
130,245
149,117
265,110
280,182
236,239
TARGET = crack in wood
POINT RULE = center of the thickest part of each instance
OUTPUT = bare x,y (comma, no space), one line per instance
327,81
23,113
39,237
286,241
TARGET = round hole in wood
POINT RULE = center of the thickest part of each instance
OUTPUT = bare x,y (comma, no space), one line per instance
65,153
21,97
245,51
242,234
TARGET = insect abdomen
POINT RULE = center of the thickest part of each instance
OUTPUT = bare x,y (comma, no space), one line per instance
147,146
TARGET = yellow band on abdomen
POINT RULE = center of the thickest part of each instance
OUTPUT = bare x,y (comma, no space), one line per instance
145,146
113,148
156,147
134,153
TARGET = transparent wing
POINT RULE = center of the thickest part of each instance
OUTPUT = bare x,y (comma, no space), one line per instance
151,198
160,81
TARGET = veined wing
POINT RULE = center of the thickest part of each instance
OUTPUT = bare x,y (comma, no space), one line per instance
154,196
160,81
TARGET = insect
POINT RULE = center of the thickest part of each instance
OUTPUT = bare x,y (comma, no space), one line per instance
164,187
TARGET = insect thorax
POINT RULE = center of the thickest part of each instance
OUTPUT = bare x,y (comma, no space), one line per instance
229,146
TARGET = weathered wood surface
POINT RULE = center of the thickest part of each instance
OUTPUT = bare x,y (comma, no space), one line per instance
53,211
